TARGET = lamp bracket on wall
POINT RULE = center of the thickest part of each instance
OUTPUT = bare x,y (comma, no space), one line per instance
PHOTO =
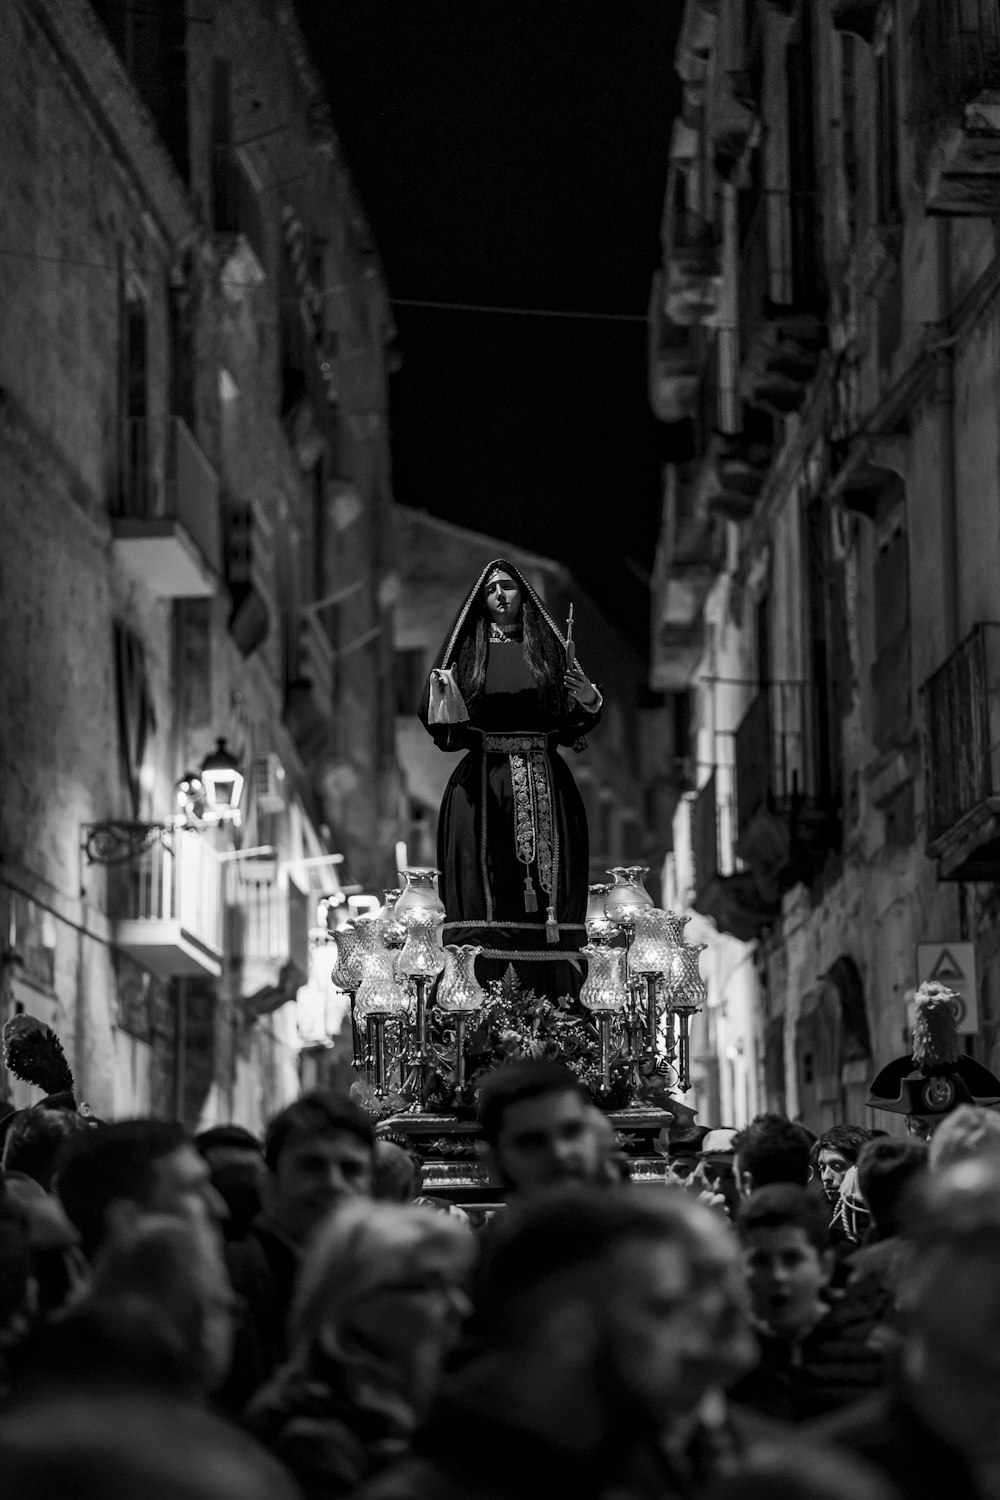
117,840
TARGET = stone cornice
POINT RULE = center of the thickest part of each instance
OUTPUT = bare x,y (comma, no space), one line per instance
118,113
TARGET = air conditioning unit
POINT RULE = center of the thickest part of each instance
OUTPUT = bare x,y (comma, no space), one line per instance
269,783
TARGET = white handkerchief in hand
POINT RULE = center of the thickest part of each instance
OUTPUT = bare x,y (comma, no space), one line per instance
447,706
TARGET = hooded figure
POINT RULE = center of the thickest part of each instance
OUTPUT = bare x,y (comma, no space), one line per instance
512,831
938,1077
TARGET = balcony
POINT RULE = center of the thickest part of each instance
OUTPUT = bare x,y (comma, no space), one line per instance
167,533
956,72
782,329
787,820
961,718
693,268
724,890
268,929
237,203
166,908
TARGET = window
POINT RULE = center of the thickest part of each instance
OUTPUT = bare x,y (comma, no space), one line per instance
887,205
890,677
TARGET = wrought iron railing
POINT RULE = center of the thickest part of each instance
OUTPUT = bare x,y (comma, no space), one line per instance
955,57
961,716
268,921
775,763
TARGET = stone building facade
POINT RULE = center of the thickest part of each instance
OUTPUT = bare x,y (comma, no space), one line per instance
825,341
194,486
625,774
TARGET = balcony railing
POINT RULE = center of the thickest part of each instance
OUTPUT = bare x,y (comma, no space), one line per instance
169,531
772,753
268,924
237,205
166,907
956,47
961,716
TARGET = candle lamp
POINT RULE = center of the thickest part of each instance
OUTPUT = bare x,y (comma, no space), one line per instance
651,955
460,996
380,998
421,959
604,992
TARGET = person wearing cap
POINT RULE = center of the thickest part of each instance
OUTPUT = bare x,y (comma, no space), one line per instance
936,1430
716,1173
931,1081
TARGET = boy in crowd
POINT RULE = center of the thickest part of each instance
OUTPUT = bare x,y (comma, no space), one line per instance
815,1356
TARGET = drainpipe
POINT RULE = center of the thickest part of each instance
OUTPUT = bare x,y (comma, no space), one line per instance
941,350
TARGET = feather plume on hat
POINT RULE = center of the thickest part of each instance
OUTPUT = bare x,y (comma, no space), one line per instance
33,1053
935,1035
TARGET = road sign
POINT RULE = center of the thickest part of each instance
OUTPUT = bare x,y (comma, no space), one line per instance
953,965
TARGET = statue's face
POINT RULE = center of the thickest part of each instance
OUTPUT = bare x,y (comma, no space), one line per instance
503,600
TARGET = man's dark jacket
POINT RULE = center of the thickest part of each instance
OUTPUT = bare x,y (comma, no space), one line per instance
262,1268
888,1434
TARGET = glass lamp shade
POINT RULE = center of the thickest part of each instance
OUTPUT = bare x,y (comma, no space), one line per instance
393,931
628,895
604,987
347,974
420,893
380,993
655,936
600,928
222,779
686,990
460,991
421,956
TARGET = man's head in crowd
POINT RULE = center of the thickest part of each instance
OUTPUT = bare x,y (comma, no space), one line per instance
397,1173
788,1260
836,1150
682,1152
886,1170
716,1170
223,1145
539,1126
108,1178
236,1161
610,1312
319,1152
970,1132
772,1149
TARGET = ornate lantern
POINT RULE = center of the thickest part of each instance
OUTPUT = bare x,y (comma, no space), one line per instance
651,956
605,993
380,996
628,895
421,958
460,995
420,892
347,976
687,993
392,929
600,928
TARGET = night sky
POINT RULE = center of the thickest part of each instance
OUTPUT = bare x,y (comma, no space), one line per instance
516,154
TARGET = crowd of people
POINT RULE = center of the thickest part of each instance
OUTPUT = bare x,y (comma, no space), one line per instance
779,1316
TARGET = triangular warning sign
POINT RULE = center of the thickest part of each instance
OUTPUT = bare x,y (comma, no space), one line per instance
947,968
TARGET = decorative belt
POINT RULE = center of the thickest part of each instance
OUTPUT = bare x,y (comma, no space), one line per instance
514,744
536,836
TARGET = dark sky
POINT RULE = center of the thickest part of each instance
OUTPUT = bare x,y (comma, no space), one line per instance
515,154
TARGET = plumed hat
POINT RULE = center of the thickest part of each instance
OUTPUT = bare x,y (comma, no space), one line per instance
33,1053
936,1077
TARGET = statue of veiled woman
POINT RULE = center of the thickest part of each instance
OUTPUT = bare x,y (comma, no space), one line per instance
512,832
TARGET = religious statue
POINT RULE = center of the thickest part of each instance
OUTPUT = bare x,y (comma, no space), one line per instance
512,833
